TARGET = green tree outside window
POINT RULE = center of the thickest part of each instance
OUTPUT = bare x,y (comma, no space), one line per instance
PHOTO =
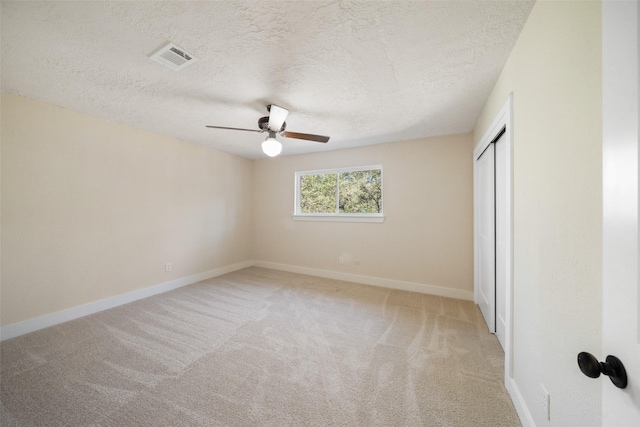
348,192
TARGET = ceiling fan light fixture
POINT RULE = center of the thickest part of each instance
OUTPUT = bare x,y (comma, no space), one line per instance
275,124
271,146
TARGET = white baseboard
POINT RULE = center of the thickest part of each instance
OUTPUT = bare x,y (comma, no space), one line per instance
368,280
37,323
518,401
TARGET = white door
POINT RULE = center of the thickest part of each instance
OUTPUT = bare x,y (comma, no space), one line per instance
621,295
485,235
502,236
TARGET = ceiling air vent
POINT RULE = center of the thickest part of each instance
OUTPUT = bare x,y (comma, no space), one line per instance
172,56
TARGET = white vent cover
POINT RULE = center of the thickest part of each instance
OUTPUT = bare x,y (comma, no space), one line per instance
172,56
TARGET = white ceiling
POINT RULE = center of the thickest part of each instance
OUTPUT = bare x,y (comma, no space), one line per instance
362,72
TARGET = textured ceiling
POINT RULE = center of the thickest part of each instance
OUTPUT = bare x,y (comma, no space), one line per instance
361,72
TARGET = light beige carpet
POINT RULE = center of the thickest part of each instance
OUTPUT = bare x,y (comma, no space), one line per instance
262,348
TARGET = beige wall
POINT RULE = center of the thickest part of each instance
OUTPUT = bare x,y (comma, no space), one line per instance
92,209
555,75
426,237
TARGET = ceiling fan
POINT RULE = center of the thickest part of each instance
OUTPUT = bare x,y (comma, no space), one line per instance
275,124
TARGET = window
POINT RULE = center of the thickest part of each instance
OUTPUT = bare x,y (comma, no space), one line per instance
351,194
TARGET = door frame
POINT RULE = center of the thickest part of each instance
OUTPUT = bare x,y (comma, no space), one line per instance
503,120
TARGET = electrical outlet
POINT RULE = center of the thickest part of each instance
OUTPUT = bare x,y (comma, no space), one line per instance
545,401
340,260
167,267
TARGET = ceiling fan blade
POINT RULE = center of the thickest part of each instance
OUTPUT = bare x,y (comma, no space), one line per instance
224,127
277,116
307,136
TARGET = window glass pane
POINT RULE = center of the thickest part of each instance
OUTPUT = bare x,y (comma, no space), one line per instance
318,193
361,191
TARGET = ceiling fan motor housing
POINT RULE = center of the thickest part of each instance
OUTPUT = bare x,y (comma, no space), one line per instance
263,123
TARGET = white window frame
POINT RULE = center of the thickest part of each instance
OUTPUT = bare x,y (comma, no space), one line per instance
343,217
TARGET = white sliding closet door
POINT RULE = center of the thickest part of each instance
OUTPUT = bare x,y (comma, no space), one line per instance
502,236
485,235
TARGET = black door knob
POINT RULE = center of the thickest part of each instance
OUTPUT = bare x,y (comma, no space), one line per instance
613,368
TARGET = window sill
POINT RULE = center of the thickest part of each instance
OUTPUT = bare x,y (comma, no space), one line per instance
339,218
